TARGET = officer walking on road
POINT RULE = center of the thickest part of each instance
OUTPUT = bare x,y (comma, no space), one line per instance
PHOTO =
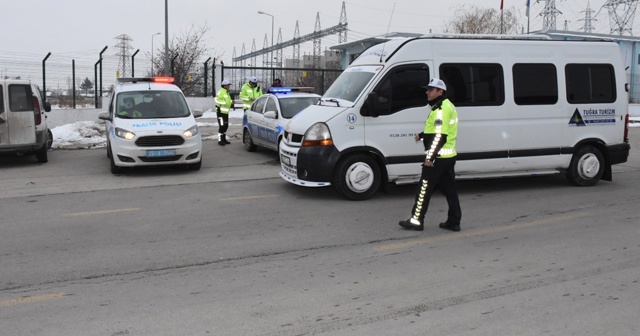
250,92
439,138
224,104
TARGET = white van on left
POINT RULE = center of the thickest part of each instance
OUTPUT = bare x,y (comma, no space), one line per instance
149,123
23,128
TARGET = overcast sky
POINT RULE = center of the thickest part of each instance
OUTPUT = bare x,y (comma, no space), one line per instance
79,29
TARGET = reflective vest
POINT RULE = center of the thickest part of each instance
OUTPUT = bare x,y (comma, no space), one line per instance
248,94
443,120
134,113
223,101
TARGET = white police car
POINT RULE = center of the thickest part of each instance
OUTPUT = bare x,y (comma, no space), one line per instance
149,123
263,124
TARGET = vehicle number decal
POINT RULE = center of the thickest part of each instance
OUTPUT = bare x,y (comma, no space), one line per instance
351,118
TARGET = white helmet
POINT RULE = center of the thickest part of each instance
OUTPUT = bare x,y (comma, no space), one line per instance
225,82
253,79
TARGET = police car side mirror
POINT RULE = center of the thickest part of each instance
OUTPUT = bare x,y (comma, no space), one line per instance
371,106
104,116
197,113
270,115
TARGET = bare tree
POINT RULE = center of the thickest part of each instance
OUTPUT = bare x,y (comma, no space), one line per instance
475,20
188,52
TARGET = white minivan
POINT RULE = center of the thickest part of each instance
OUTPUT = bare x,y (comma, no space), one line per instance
149,123
23,126
525,107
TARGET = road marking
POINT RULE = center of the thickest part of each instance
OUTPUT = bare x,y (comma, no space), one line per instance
482,231
31,299
101,212
248,198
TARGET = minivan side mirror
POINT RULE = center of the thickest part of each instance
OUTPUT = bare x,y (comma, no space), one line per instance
47,107
197,113
371,106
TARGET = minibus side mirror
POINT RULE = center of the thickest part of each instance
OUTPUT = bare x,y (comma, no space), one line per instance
371,106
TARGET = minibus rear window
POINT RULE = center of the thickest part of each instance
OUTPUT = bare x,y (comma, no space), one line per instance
590,83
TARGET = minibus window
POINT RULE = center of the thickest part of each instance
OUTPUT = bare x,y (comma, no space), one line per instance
590,83
535,84
402,89
474,84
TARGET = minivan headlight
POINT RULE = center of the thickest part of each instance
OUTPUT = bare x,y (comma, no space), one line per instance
191,132
317,135
123,133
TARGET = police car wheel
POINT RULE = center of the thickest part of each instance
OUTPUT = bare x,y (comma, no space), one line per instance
587,166
108,149
248,142
357,177
115,169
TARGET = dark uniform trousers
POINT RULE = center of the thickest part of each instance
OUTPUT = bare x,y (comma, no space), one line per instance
442,175
223,122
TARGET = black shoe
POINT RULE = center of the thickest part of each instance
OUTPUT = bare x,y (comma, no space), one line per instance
411,226
221,143
227,142
450,227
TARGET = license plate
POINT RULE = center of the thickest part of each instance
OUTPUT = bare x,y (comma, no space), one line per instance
285,159
161,152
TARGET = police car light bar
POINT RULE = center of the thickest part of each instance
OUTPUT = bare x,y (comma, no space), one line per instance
146,79
291,89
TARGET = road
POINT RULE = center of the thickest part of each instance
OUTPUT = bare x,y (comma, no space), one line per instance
234,250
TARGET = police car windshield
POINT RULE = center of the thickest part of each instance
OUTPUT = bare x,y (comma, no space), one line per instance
290,106
151,105
351,83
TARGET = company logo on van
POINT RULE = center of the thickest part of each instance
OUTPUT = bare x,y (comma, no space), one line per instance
592,116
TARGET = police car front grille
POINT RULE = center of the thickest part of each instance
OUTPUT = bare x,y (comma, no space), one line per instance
160,158
160,141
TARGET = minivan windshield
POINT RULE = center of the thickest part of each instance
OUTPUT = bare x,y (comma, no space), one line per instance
350,84
151,104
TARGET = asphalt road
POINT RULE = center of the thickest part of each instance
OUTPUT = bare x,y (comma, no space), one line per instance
234,250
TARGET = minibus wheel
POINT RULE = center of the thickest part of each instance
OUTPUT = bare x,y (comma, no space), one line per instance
587,166
357,177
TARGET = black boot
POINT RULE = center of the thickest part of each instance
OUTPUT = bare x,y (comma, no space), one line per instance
224,139
409,225
221,141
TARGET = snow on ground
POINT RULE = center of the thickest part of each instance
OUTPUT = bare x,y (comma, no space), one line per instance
91,134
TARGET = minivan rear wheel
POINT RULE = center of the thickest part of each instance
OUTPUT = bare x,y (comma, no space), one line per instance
41,154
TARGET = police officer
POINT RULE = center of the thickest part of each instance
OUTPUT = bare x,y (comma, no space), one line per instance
250,92
129,110
439,138
224,104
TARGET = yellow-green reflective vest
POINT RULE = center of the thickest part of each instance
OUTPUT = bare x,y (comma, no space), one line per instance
444,120
248,94
223,100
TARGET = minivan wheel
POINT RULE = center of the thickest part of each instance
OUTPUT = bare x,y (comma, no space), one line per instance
248,142
357,177
587,166
41,154
49,138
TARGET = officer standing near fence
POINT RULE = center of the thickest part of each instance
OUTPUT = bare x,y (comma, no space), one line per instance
224,104
439,138
250,92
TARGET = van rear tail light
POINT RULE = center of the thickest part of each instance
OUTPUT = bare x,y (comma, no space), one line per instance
626,129
37,116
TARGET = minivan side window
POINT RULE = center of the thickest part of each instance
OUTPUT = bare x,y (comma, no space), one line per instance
20,98
1,99
473,84
590,83
535,84
402,88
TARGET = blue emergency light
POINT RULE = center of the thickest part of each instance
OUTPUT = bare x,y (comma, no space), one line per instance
280,89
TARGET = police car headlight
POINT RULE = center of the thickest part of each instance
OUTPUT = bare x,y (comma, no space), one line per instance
122,133
317,135
191,132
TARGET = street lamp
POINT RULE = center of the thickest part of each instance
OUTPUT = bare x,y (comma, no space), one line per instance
152,52
261,12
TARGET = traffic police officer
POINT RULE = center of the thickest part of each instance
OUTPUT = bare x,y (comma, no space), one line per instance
224,104
439,138
250,92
